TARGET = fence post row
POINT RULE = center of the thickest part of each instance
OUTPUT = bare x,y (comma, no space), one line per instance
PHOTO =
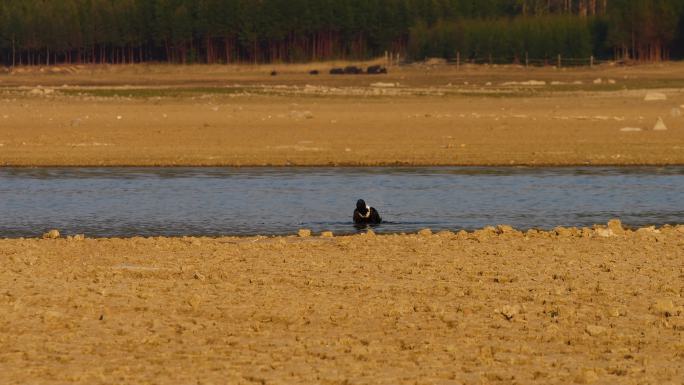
489,59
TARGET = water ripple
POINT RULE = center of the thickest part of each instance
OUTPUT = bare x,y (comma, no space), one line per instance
246,201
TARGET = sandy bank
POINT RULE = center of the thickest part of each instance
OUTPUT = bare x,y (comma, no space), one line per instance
421,116
494,306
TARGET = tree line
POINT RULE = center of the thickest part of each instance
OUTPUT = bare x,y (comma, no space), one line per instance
43,32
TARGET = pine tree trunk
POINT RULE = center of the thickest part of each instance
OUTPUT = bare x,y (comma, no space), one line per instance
229,48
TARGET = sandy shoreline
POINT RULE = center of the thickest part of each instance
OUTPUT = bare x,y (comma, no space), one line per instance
494,306
416,116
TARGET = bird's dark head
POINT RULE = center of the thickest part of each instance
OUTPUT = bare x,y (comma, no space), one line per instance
361,206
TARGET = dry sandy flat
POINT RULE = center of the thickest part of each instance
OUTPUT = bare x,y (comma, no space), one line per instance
417,115
495,306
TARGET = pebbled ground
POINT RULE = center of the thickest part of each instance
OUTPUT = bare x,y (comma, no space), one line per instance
491,307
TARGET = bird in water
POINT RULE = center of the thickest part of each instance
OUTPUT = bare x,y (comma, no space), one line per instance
366,215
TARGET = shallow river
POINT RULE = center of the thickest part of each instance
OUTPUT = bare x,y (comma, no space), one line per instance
107,202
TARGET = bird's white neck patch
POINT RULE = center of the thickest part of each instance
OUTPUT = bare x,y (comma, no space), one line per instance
368,212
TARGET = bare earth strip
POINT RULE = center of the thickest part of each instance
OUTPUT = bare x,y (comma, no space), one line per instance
494,306
417,115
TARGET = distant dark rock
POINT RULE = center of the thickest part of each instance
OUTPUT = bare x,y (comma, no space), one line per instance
352,70
376,70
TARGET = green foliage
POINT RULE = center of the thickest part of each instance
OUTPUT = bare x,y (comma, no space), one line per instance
214,31
542,37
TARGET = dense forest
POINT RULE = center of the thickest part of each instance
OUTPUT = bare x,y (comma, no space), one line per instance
226,31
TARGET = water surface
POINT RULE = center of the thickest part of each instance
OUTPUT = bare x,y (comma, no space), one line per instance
105,202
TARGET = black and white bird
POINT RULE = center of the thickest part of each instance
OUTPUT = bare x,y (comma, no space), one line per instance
365,214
